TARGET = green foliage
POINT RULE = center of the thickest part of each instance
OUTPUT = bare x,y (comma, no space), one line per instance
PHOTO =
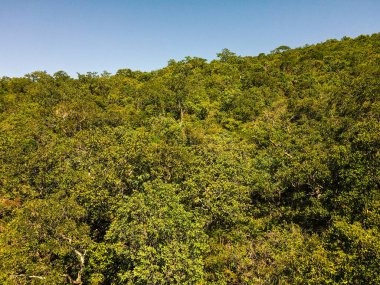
45,240
242,170
160,241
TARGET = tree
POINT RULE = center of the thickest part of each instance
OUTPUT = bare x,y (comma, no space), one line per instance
46,240
162,241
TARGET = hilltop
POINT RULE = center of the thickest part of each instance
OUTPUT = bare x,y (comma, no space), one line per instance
242,170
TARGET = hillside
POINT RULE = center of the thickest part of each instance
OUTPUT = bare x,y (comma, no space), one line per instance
242,170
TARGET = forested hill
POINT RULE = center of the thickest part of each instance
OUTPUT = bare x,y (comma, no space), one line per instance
242,170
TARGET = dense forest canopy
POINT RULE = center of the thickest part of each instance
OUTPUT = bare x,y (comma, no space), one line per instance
242,170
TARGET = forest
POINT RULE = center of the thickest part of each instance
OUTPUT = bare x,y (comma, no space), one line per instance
240,170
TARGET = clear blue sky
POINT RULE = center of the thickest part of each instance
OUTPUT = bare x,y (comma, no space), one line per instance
91,35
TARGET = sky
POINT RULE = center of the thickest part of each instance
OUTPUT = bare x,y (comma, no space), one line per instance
79,36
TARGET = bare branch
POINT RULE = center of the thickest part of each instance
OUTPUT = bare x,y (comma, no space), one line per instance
29,276
81,257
